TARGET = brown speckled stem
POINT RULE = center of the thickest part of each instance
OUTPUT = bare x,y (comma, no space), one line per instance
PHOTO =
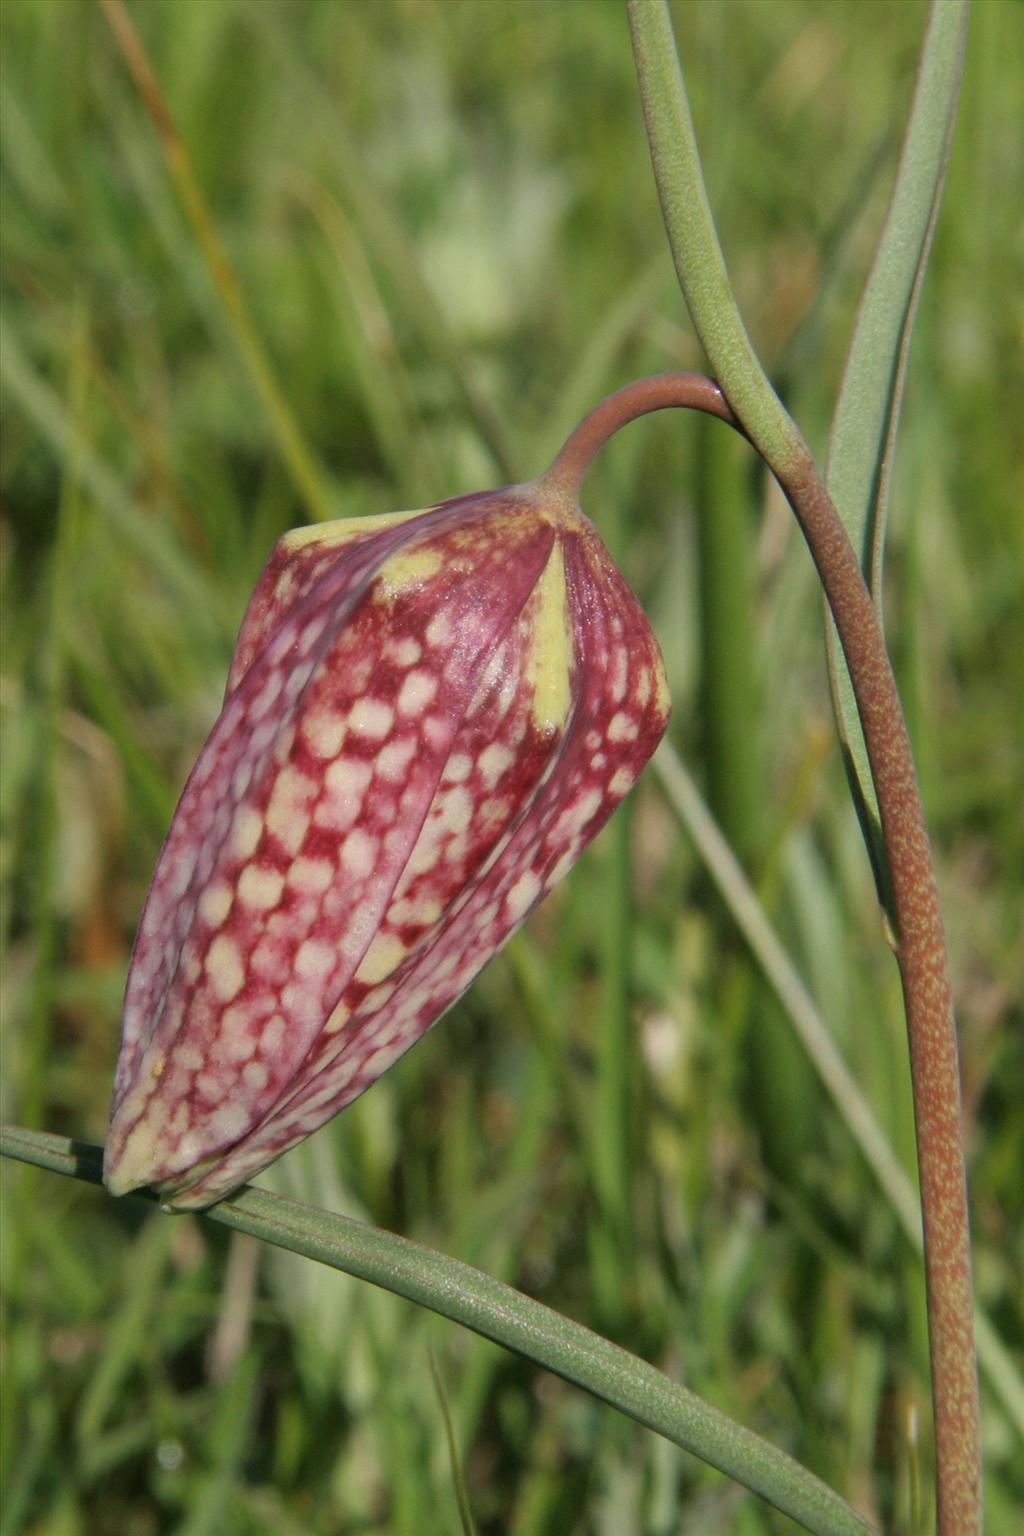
920,938
931,1030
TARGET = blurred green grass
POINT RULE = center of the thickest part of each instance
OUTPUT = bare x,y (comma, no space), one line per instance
445,227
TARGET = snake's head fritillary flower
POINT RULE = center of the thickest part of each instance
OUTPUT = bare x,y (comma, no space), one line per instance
428,717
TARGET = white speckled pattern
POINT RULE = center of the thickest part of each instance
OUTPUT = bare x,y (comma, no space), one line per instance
428,717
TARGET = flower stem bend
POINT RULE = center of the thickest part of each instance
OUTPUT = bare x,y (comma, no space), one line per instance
658,392
920,943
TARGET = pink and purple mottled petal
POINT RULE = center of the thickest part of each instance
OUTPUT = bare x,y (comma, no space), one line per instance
426,723
266,900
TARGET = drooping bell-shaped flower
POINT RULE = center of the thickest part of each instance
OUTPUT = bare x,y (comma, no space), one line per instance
428,717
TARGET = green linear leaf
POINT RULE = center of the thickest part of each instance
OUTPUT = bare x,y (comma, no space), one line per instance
386,239
693,238
810,1029
160,550
863,438
507,1317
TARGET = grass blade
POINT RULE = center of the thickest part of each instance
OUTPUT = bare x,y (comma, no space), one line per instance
799,1007
388,241
45,409
298,457
696,251
507,1317
864,427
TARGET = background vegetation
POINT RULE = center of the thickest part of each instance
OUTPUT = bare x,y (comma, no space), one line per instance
442,217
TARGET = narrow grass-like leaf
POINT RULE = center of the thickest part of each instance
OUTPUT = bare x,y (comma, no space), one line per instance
152,796
863,439
809,1026
41,809
612,1237
696,251
368,336
909,893
507,1317
295,452
125,1338
589,374
728,693
387,239
44,408
458,1476
788,987
211,1502
38,1434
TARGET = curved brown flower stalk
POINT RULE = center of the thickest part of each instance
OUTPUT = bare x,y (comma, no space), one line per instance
920,943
